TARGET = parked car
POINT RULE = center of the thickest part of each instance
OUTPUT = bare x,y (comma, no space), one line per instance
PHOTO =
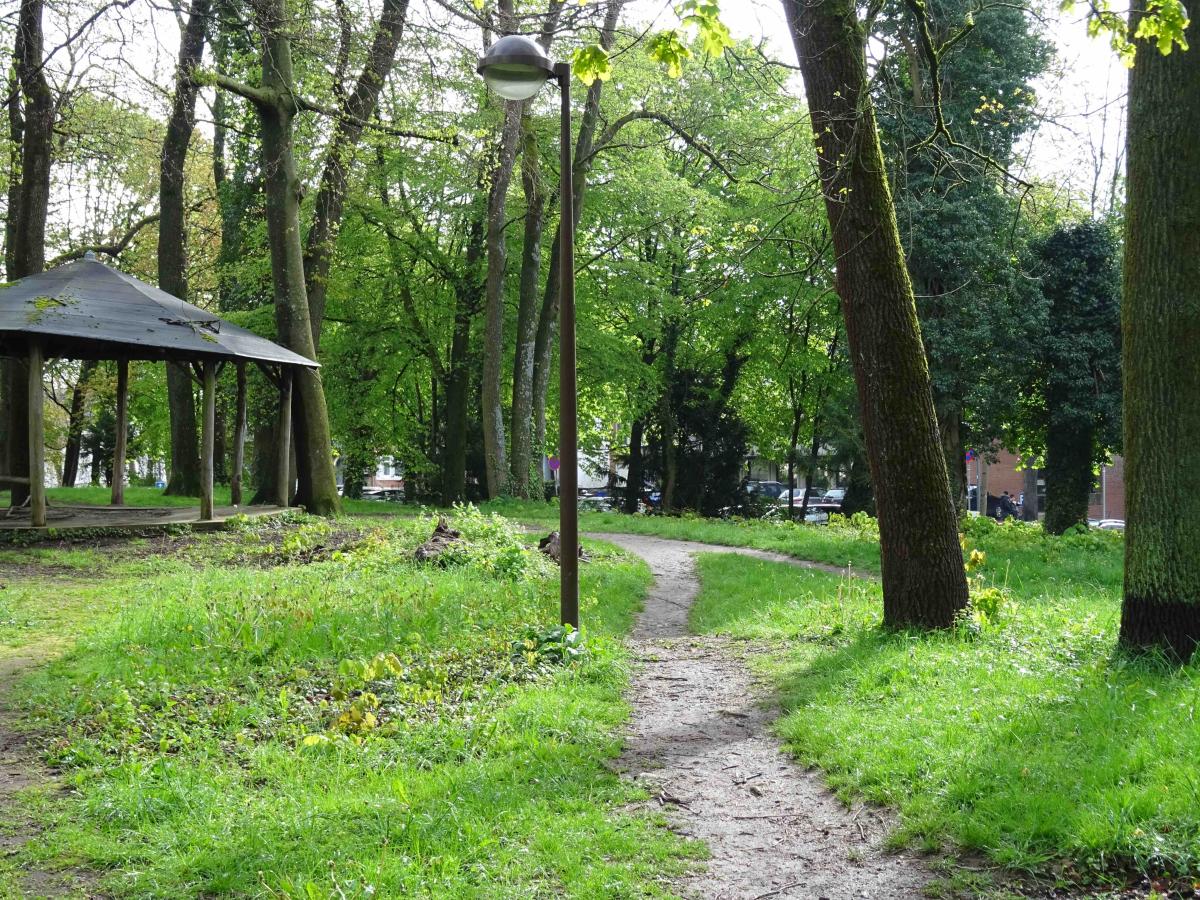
834,495
1111,524
769,490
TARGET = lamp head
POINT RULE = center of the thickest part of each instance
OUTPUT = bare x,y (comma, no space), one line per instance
515,67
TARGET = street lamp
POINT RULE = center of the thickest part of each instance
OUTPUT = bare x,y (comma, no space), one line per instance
516,67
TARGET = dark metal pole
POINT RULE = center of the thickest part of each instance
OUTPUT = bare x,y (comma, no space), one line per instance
568,435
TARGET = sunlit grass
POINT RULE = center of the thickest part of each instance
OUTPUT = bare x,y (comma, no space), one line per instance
197,723
1025,737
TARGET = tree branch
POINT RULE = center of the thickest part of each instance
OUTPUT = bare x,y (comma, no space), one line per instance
610,132
313,106
933,58
256,95
112,248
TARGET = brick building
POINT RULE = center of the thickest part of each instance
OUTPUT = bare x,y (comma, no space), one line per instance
1107,500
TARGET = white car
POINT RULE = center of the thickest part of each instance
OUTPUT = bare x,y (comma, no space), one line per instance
834,495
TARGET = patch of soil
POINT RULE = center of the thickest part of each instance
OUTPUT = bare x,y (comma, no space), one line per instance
20,770
700,741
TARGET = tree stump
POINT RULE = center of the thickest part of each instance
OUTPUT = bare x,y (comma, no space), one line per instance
551,545
439,542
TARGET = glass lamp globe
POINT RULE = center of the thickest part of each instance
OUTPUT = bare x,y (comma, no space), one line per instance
515,67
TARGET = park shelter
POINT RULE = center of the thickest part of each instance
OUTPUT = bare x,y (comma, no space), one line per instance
88,310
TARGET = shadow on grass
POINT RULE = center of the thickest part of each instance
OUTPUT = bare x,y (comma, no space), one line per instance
1028,751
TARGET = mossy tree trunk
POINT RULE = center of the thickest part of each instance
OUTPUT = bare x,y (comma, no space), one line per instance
276,103
1068,474
1161,331
924,584
184,477
34,113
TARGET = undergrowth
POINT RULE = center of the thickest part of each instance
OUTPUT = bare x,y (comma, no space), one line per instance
347,723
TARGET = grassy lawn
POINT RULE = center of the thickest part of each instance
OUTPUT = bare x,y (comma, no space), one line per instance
1023,735
303,711
140,495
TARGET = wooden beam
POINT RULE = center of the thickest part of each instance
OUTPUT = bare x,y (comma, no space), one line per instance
283,450
208,441
37,439
121,448
239,439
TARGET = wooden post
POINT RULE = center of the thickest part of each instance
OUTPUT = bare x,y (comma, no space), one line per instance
37,440
283,439
120,450
239,439
209,439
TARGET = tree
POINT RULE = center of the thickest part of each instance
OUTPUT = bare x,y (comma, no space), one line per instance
184,476
1078,366
963,235
924,584
31,115
276,101
1160,325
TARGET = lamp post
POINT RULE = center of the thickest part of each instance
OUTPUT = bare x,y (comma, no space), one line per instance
516,67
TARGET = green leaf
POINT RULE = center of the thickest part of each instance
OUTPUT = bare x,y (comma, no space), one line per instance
666,48
705,17
590,63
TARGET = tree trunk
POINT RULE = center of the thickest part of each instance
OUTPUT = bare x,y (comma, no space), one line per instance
184,477
527,313
1068,471
26,253
543,352
1029,503
458,374
16,131
1161,316
950,427
172,246
238,463
793,451
668,424
637,467
358,108
276,107
494,452
810,470
924,584
70,471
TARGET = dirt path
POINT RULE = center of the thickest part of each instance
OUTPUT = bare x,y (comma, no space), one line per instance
699,738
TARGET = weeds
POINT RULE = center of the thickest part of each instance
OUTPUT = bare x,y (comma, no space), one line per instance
346,722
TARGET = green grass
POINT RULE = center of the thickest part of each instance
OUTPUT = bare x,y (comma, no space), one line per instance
135,495
140,495
850,545
306,712
1022,735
